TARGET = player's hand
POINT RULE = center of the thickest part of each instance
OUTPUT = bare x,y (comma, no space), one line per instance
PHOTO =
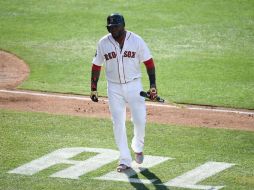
94,96
152,93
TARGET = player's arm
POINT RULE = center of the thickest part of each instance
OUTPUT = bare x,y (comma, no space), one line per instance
95,75
150,68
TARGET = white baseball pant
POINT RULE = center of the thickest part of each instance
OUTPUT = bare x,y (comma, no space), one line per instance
121,95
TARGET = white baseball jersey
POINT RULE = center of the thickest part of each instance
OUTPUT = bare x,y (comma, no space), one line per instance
122,66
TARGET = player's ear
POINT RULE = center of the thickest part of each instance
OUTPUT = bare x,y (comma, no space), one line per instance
108,28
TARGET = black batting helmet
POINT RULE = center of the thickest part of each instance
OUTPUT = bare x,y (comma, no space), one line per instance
115,19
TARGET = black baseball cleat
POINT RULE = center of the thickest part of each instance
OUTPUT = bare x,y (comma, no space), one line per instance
122,168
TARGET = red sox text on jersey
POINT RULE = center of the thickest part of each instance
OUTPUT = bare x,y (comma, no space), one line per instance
112,55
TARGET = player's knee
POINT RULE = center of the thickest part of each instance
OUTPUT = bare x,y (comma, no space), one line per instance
140,123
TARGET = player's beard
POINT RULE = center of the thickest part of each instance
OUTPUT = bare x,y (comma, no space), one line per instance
119,34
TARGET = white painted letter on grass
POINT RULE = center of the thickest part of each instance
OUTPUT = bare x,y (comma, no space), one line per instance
78,168
191,178
61,156
149,161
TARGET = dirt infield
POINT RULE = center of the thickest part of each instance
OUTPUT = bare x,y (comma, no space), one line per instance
14,71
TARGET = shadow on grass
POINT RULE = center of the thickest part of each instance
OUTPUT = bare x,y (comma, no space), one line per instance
155,180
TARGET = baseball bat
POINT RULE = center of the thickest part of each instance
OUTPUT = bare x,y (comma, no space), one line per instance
158,99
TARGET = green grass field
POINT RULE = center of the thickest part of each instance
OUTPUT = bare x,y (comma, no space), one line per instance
28,136
203,49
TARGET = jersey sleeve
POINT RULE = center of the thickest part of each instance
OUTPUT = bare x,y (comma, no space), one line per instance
144,52
98,57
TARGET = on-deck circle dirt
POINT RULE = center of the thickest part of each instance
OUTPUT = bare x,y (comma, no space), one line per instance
13,71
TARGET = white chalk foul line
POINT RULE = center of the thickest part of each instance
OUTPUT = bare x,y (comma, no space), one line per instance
46,95
73,97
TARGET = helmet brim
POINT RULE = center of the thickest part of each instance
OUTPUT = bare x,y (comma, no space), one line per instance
109,25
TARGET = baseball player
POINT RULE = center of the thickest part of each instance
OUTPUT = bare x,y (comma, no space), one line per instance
121,52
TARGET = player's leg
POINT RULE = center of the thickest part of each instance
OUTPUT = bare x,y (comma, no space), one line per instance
138,114
117,106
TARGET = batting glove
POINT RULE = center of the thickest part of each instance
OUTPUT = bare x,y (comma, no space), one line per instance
94,96
152,93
